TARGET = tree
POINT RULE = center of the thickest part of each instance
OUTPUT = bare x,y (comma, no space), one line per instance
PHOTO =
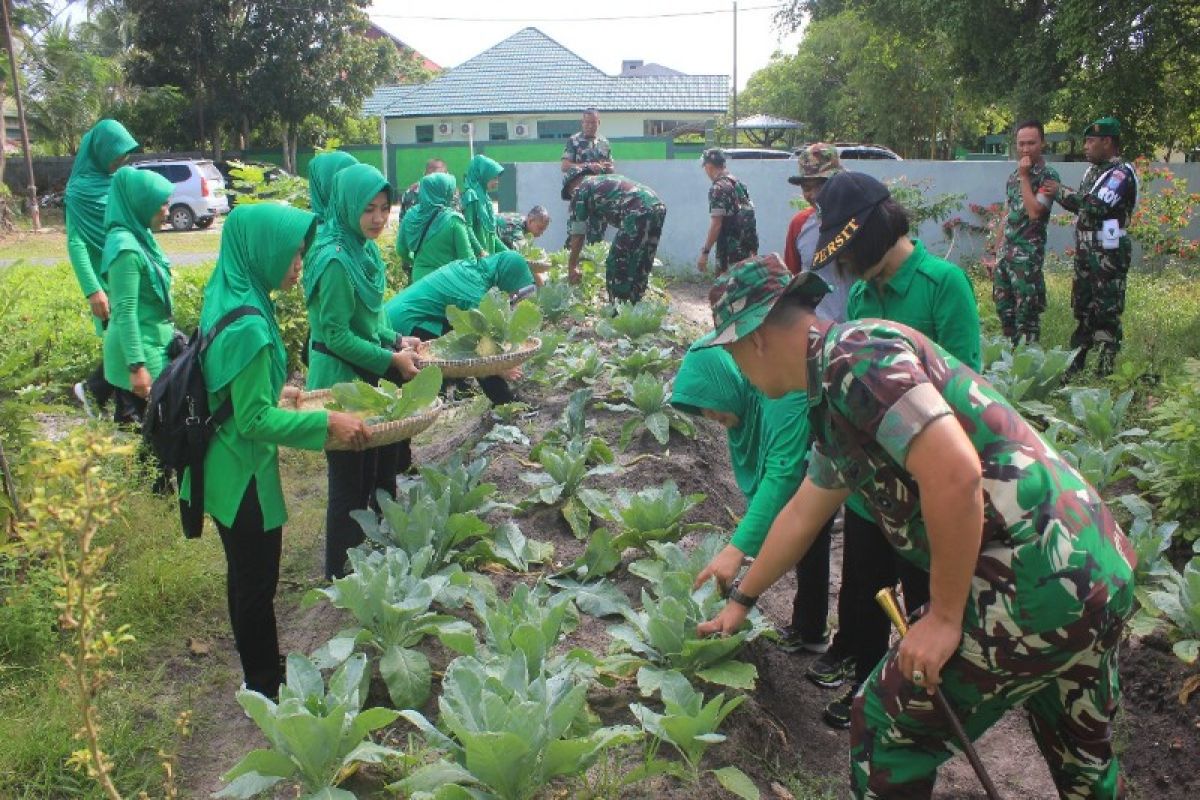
27,17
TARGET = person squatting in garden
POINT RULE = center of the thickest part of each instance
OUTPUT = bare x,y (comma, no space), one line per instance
1031,579
344,281
517,230
897,279
768,448
101,152
731,226
588,146
633,208
1105,203
1018,283
262,247
420,309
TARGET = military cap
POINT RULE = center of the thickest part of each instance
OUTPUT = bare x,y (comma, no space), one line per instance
1105,126
588,168
714,156
816,161
847,202
743,296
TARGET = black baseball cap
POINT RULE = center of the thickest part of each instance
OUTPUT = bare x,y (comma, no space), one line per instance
846,202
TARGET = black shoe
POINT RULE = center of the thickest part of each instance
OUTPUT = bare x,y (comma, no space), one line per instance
837,713
831,669
790,641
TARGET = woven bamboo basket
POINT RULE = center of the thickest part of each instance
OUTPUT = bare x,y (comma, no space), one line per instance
379,434
481,366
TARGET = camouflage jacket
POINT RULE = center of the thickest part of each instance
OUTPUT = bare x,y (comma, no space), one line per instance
1107,191
1051,553
729,199
409,198
510,227
610,198
1022,234
582,150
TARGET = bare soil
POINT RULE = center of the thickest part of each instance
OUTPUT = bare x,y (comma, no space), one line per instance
777,732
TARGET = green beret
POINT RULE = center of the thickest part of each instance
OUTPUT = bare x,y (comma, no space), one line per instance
1105,126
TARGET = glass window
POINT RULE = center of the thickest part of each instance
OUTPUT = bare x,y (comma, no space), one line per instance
497,131
424,133
557,128
658,127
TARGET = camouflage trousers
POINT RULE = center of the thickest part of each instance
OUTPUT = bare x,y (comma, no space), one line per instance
737,247
1019,290
627,270
1098,295
1065,678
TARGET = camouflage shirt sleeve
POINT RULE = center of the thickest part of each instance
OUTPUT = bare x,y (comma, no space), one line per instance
570,150
722,199
577,225
822,471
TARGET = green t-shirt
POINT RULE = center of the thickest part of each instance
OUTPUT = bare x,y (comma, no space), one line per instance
462,284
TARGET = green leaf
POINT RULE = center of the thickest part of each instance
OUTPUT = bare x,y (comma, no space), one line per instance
248,784
418,393
525,321
432,776
329,793
735,674
659,426
500,760
1187,650
266,763
738,782
578,518
408,676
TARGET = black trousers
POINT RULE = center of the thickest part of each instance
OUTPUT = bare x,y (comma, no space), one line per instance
494,387
810,606
354,477
252,555
98,387
869,564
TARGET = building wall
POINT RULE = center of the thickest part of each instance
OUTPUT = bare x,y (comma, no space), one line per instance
683,186
403,131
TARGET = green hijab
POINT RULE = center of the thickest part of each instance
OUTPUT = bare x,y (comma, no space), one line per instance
435,201
508,270
341,239
321,171
87,188
480,173
258,243
709,378
134,198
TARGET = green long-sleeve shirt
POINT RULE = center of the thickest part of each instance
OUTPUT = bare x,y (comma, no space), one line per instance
140,328
784,434
483,230
247,445
348,328
452,242
85,261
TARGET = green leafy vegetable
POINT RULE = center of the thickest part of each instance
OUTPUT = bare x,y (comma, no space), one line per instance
634,320
1179,601
653,411
388,401
490,329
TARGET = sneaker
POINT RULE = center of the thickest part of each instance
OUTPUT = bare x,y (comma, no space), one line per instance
790,641
81,394
837,713
831,669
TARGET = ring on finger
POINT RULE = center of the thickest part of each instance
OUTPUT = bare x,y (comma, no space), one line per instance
918,677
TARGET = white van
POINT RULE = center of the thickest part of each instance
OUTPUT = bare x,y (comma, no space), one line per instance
199,194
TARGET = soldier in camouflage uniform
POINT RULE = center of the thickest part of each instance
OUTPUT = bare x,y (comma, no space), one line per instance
1105,202
1031,578
731,227
516,230
409,198
588,146
635,210
1019,287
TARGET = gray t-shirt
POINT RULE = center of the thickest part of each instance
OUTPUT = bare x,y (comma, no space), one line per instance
833,307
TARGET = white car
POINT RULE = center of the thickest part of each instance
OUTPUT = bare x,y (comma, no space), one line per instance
199,194
872,151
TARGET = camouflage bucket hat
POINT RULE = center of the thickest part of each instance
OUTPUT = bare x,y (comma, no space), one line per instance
743,296
580,169
816,161
1105,126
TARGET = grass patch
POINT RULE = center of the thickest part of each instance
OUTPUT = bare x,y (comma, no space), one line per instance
51,246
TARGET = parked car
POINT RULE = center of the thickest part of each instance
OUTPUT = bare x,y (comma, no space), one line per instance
755,152
199,194
872,151
271,173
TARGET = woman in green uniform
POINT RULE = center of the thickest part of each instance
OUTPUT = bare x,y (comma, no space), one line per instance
321,172
420,310
433,233
101,152
344,281
768,449
139,279
483,176
261,250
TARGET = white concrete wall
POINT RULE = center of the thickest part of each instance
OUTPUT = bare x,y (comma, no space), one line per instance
683,186
612,124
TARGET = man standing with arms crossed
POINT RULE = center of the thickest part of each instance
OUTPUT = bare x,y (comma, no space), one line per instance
588,147
1018,284
1105,202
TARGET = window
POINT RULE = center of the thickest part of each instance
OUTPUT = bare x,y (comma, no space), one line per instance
497,131
424,134
175,173
659,127
557,128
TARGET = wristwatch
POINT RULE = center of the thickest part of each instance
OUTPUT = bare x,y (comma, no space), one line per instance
705,251
740,597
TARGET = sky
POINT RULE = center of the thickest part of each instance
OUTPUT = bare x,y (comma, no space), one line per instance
667,32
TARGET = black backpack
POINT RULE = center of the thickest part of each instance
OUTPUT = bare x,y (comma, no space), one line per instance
178,425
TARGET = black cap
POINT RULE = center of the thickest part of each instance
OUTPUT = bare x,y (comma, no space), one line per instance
846,203
714,156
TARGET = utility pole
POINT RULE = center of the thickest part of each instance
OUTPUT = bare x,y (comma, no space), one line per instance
735,116
31,188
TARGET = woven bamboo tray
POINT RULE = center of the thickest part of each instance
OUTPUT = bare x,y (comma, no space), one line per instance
481,366
379,434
